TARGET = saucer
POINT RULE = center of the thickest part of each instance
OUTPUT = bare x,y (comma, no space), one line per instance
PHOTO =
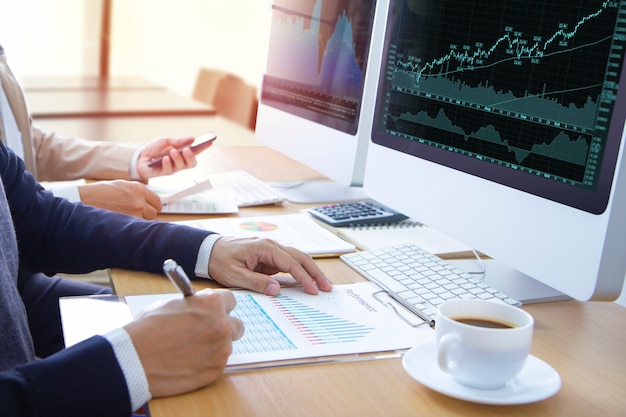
537,380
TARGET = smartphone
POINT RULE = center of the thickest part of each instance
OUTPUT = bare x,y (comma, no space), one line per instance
204,141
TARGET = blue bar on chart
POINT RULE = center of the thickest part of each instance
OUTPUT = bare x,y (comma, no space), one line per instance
263,334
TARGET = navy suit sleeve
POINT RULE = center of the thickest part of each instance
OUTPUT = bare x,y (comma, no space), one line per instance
55,235
83,380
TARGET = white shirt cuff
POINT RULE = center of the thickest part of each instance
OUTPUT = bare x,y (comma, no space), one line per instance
71,193
134,174
133,371
204,255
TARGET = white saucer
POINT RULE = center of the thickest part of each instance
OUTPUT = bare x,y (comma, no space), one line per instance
536,382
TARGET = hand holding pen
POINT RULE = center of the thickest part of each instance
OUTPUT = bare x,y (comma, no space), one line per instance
185,343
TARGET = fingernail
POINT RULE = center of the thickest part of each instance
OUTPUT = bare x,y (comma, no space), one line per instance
272,289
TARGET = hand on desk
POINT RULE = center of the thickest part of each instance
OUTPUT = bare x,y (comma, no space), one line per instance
179,156
128,197
134,198
250,262
184,344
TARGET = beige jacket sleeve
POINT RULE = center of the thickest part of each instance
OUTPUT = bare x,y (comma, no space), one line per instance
53,157
59,158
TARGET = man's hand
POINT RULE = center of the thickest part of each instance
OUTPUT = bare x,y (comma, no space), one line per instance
250,262
176,153
128,197
185,343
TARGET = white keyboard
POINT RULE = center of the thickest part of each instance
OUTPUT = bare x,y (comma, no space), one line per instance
418,279
248,189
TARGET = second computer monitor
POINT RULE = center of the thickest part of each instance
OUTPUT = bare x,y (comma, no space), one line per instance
311,94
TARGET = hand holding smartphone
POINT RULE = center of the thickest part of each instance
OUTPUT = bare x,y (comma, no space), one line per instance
204,141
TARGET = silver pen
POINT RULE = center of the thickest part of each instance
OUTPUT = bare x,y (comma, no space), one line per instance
179,278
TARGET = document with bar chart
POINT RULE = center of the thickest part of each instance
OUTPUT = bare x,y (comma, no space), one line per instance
296,326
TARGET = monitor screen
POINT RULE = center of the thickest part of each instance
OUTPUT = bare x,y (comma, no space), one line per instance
505,120
526,101
317,58
311,93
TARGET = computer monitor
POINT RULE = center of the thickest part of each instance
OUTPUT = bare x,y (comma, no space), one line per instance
501,124
310,105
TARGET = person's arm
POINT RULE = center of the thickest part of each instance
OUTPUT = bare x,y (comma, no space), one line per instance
74,382
55,235
182,345
177,347
60,158
55,157
129,197
58,236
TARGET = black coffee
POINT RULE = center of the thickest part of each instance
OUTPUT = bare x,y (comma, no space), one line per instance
480,322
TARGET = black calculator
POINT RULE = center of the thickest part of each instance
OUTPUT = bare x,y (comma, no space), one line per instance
356,213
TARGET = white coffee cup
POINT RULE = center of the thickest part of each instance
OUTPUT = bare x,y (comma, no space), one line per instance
477,356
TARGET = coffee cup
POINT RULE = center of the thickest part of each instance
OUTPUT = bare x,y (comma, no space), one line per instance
482,344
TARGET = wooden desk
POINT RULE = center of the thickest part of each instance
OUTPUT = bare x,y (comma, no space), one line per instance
56,83
584,342
98,103
142,129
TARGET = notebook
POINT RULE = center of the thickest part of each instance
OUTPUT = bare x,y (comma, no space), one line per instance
407,231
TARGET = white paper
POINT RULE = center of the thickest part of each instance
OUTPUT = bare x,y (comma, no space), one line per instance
187,192
298,230
206,202
296,325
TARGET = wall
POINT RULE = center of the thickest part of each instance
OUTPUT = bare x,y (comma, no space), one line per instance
163,41
50,37
168,41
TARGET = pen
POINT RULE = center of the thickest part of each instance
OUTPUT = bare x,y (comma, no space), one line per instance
177,275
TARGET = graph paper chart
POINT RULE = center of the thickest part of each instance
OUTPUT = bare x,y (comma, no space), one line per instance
317,327
296,325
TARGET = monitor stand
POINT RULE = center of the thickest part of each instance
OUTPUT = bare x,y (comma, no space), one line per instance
318,192
512,282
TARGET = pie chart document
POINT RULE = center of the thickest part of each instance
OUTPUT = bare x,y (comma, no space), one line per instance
298,230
